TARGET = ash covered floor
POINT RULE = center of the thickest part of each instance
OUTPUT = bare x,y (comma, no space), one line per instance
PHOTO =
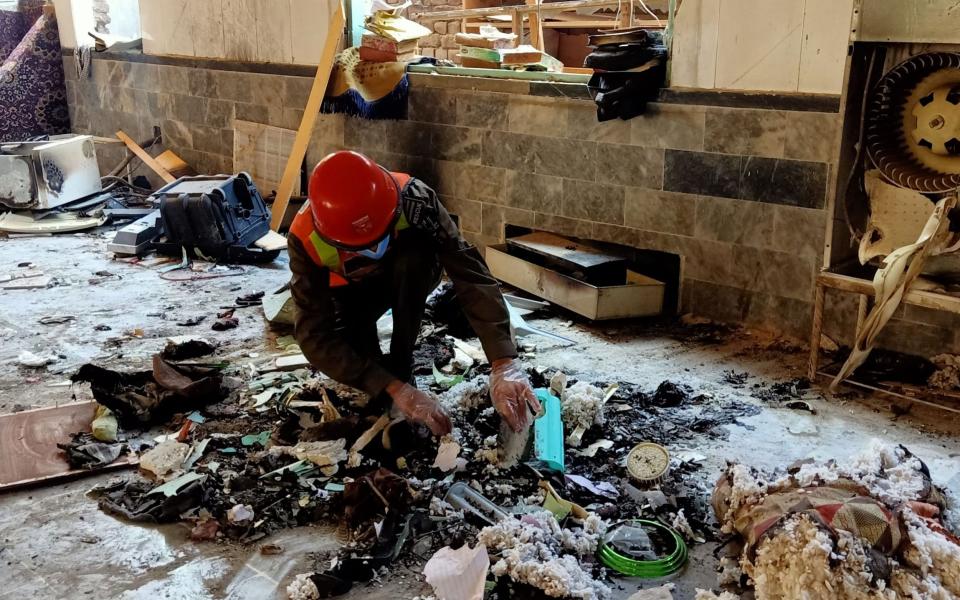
56,543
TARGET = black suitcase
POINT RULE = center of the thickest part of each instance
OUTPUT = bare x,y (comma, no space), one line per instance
217,217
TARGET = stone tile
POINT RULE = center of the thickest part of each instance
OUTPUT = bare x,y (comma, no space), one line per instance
701,173
120,74
914,338
409,137
783,181
493,218
744,131
365,134
265,89
654,210
582,124
568,158
208,139
232,85
928,316
593,201
735,221
542,117
777,273
509,150
470,182
190,109
174,80
575,91
468,212
719,302
69,68
812,136
630,165
257,113
432,106
219,113
390,160
203,82
100,70
290,118
461,144
144,76
708,260
296,91
800,231
540,193
563,226
479,240
669,126
488,111
615,234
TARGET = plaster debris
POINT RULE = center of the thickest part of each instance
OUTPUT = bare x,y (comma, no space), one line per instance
35,361
663,592
164,461
947,375
303,588
466,395
582,408
536,551
447,454
241,513
326,454
709,595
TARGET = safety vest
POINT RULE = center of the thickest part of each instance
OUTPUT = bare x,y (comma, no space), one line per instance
327,255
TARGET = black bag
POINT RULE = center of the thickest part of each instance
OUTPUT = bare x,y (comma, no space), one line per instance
217,217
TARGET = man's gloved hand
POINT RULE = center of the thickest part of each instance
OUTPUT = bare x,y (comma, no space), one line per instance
419,407
511,393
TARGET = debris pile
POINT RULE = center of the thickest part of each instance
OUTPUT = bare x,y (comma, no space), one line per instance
871,527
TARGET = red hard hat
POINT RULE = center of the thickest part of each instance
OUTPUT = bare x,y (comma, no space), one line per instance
355,201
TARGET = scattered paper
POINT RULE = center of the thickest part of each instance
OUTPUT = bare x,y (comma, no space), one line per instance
663,592
591,450
458,574
603,489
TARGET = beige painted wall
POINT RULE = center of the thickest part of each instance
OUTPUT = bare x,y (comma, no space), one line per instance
769,45
275,31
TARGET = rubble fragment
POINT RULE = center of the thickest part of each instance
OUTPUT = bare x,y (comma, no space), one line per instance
536,551
458,574
165,460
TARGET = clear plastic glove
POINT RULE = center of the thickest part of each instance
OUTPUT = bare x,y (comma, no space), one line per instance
420,407
511,393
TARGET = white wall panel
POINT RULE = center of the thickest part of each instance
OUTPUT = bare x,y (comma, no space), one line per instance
694,61
759,44
826,31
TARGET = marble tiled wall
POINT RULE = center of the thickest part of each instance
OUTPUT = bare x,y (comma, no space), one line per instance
739,193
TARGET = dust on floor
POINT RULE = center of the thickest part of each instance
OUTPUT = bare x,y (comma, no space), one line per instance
54,542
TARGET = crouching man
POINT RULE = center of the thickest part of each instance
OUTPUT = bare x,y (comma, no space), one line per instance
369,240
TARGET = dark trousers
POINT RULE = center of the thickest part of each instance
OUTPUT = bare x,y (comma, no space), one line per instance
409,272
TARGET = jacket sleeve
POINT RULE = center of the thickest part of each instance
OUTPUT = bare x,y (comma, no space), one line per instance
477,291
315,327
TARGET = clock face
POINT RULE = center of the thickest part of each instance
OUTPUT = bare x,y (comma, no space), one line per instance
648,461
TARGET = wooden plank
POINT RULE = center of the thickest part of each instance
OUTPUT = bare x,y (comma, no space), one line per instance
449,15
174,164
642,297
28,444
536,26
291,173
917,298
148,160
576,256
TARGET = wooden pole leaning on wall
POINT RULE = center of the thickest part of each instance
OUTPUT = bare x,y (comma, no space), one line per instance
310,114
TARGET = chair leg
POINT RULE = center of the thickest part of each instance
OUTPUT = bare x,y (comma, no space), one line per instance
816,332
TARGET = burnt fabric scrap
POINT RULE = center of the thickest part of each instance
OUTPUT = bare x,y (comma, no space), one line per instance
85,452
147,397
142,501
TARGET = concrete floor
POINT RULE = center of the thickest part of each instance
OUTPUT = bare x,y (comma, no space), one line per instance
55,543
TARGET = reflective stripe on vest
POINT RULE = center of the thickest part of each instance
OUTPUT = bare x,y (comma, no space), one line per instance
324,254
